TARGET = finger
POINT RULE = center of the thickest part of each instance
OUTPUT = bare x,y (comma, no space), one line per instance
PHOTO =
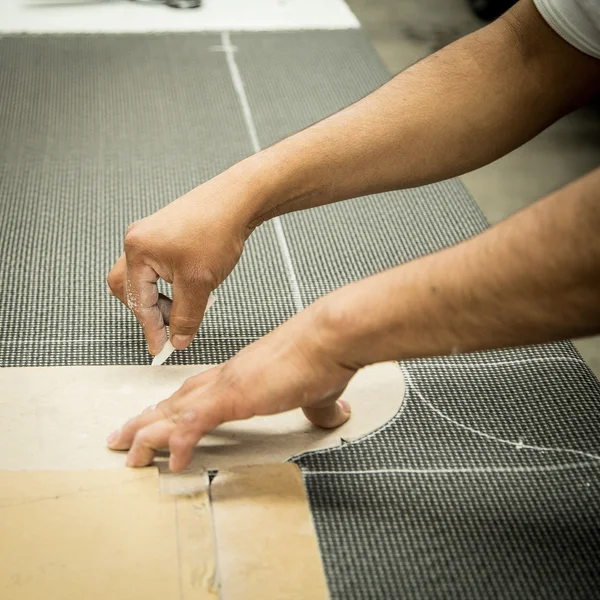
164,305
116,279
182,451
147,441
142,298
328,416
123,438
189,431
187,312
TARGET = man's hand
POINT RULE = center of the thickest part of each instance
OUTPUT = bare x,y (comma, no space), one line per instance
193,243
514,284
427,124
286,369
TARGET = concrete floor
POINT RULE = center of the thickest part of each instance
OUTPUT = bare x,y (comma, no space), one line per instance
404,31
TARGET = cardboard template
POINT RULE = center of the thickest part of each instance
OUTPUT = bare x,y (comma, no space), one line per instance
59,417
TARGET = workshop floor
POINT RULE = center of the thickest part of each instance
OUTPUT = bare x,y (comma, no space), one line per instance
404,31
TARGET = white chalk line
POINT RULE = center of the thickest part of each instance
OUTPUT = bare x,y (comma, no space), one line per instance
439,363
410,387
454,470
238,84
517,445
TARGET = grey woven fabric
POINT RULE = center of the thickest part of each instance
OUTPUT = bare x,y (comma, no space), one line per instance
486,485
486,482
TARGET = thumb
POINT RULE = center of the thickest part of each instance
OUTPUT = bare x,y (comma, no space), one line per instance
328,416
187,312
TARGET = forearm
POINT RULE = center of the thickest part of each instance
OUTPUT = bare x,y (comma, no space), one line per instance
531,279
459,109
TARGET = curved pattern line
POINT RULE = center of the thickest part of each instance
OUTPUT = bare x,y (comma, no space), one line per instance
518,445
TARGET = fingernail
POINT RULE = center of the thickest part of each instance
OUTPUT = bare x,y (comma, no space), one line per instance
113,436
344,406
180,341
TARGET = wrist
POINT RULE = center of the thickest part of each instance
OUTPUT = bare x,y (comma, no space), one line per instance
247,190
383,317
340,331
282,179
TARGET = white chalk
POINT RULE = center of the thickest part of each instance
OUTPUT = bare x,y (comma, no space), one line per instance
162,356
168,348
211,300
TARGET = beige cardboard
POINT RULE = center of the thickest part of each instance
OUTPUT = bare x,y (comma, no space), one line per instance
125,534
112,534
102,534
266,544
59,417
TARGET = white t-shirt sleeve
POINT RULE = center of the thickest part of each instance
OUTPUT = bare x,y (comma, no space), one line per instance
576,21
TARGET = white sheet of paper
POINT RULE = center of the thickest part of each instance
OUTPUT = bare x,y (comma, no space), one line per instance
125,16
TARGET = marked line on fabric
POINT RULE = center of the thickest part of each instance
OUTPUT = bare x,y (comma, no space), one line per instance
466,470
412,390
440,363
518,445
238,84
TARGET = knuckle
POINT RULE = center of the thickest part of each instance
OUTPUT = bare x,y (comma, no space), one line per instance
206,277
133,227
199,276
134,238
129,430
181,443
183,324
142,438
115,282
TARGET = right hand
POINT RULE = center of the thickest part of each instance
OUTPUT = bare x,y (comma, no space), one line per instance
193,243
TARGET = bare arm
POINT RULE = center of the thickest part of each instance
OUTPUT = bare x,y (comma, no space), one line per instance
533,278
465,106
457,110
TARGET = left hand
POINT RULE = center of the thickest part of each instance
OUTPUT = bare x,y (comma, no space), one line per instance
289,368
